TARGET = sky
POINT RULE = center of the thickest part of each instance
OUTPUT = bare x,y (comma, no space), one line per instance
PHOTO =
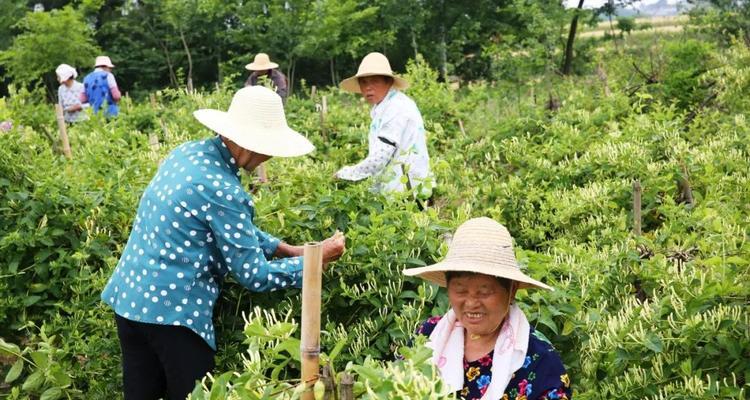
599,3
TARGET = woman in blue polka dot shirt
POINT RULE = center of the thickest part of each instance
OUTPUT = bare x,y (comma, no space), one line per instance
194,226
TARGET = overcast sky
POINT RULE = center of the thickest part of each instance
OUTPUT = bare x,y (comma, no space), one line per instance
599,3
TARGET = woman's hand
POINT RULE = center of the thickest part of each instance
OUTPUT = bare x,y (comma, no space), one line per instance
333,247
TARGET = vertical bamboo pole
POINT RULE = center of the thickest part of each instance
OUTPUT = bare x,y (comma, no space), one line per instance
637,207
347,387
63,131
311,288
461,126
262,174
313,92
328,379
323,112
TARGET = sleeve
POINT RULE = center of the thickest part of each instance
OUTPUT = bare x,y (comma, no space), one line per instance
281,87
551,381
428,326
378,158
112,83
244,247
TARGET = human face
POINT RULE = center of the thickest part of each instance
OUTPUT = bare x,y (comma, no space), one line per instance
245,159
374,88
480,302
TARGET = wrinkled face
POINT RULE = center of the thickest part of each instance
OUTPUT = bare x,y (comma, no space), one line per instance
480,302
374,88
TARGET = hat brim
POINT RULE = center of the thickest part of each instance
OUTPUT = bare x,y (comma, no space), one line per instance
261,67
104,65
279,142
351,84
436,273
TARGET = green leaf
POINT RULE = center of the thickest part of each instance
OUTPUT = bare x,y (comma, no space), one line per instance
653,342
9,348
52,393
33,381
40,359
15,371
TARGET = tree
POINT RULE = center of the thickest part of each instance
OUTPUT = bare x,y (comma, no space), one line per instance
625,25
47,40
568,60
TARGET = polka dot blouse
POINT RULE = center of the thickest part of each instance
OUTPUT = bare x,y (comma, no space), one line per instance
194,227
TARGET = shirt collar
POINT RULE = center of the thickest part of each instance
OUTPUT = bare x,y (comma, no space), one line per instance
225,154
391,94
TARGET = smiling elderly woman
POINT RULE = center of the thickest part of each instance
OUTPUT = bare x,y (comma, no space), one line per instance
483,346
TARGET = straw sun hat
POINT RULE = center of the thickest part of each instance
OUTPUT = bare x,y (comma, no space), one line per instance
373,64
103,61
261,63
483,246
256,122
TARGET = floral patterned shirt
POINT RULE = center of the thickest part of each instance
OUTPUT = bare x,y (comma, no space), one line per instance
542,376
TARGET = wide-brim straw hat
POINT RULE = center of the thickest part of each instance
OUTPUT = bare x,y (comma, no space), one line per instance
261,63
483,246
103,61
65,72
373,64
256,122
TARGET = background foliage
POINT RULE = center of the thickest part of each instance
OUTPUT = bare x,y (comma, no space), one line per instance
657,316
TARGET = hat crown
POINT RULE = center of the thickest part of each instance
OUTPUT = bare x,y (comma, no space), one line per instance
483,241
258,107
103,61
375,63
262,58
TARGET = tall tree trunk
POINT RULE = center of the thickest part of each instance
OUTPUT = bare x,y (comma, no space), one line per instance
333,72
290,75
443,45
571,39
414,43
190,62
163,45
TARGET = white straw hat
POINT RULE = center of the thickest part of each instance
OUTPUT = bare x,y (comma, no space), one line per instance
483,246
103,61
256,122
261,63
373,64
65,72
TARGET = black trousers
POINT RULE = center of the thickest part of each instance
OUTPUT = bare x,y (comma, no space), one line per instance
161,361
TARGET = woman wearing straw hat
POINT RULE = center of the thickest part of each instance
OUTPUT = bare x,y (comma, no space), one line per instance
194,226
69,94
264,70
101,87
483,346
397,140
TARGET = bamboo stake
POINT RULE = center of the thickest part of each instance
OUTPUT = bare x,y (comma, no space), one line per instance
152,137
637,207
63,131
310,343
461,126
313,92
323,112
328,379
262,175
347,388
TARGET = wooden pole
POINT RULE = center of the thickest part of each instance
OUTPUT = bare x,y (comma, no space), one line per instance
152,137
347,387
637,207
63,131
313,92
328,380
262,175
311,288
323,112
461,126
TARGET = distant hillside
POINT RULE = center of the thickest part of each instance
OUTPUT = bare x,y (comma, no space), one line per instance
662,8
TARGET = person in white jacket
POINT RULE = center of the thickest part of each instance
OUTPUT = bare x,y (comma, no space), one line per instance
397,140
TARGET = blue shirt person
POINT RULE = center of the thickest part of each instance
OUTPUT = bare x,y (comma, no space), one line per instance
193,229
101,88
